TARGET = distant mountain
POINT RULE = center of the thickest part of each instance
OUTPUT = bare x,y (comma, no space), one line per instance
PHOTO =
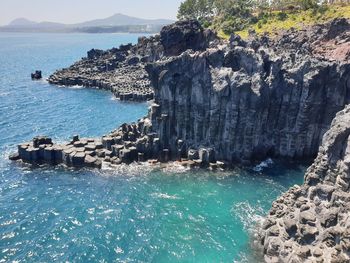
22,22
112,24
123,20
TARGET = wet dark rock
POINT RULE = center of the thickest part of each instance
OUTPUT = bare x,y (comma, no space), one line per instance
37,141
14,157
36,75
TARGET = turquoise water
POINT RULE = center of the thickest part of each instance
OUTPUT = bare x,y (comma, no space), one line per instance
135,214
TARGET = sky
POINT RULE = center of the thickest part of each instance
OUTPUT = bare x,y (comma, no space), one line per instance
75,11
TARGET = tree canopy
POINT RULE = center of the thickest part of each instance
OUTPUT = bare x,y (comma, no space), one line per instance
199,9
234,15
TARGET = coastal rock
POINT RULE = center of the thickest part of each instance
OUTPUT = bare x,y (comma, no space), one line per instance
178,37
323,227
248,103
122,70
218,103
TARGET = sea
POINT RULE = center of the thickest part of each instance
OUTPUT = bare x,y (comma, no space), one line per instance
136,213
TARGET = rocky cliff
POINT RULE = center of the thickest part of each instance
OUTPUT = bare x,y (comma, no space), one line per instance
250,100
218,103
122,70
311,223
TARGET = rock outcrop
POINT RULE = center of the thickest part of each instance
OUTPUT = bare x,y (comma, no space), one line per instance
330,41
248,100
311,223
122,70
220,103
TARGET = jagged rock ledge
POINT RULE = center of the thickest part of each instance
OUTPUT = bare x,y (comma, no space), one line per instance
311,223
122,70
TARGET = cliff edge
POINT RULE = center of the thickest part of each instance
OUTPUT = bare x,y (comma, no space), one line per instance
220,103
249,100
311,223
122,70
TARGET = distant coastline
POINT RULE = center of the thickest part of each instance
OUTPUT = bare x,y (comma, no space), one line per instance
91,30
118,23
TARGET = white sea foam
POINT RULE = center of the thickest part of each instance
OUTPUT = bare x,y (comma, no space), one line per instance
77,87
264,164
118,250
173,167
250,216
134,169
164,196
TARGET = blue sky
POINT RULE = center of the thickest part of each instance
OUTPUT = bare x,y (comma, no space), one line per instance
73,11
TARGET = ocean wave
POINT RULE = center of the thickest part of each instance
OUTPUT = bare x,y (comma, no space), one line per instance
250,216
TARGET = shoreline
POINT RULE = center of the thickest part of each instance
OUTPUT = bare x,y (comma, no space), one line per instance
237,101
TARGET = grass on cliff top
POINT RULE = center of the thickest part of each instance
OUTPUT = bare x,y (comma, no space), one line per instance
277,21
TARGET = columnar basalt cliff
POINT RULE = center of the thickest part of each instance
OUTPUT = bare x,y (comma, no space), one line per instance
218,103
311,223
249,101
122,70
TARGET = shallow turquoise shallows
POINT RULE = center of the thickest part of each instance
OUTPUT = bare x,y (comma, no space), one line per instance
135,214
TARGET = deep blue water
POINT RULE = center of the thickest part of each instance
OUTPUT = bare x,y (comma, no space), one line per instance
134,214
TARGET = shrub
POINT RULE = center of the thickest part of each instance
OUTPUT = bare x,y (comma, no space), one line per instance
227,27
253,20
281,16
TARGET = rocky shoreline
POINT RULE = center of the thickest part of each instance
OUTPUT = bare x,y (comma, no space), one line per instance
220,103
122,70
311,223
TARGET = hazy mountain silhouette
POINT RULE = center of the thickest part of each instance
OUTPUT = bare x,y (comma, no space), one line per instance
122,20
116,23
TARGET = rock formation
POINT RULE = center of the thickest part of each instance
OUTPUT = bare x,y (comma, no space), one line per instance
122,70
311,223
218,103
36,75
249,100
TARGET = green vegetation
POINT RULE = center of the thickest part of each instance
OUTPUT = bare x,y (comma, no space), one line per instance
228,16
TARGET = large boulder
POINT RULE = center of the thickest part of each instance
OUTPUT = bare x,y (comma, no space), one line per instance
183,35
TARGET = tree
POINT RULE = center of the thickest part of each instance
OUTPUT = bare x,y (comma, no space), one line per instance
308,4
187,10
196,9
